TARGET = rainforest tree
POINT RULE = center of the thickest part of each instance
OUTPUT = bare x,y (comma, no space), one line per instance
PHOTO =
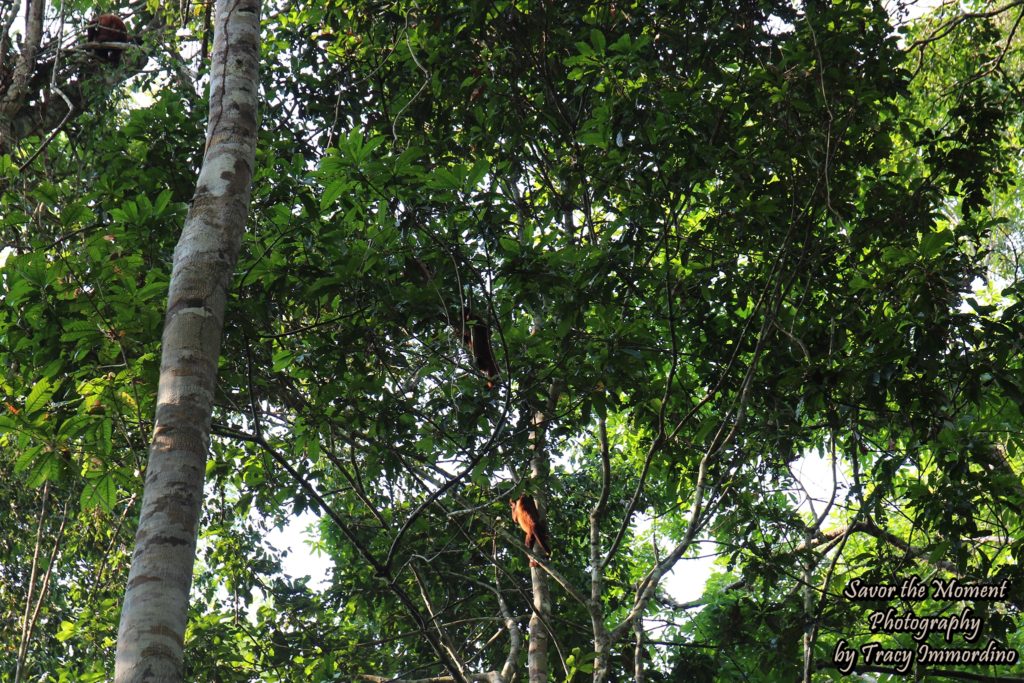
637,261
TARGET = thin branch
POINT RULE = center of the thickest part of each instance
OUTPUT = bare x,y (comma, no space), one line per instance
23,644
53,133
381,570
944,30
423,86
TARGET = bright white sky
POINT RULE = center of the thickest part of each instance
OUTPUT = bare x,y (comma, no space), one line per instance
300,561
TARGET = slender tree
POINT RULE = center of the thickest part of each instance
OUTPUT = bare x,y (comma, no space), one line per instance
540,471
151,633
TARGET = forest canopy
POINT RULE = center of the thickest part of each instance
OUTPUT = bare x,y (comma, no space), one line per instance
644,263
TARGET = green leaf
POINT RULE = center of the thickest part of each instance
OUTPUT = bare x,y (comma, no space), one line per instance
584,49
38,465
477,173
162,200
932,243
857,283
66,631
283,359
99,492
7,422
509,245
27,459
332,192
105,434
444,179
40,395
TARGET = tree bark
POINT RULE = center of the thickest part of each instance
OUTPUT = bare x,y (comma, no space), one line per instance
151,633
595,606
13,99
540,468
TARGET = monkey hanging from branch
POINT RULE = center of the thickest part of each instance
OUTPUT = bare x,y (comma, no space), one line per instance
476,335
527,516
475,329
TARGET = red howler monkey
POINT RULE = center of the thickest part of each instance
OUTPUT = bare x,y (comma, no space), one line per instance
476,335
108,28
527,516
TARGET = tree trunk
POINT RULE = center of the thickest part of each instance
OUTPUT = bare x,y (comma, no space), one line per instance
540,468
602,646
151,634
13,99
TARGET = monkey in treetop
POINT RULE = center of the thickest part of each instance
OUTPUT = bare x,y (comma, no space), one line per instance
527,516
108,28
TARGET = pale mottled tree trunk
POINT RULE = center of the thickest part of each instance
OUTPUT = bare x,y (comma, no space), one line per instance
538,652
150,638
540,468
595,606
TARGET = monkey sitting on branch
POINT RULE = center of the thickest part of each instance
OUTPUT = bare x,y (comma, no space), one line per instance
527,516
107,36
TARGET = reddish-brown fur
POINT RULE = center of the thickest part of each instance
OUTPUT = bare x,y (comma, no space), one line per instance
476,335
526,515
107,28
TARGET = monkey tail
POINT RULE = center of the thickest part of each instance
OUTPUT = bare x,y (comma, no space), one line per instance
543,538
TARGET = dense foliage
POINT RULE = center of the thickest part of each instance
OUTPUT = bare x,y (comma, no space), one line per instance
708,244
